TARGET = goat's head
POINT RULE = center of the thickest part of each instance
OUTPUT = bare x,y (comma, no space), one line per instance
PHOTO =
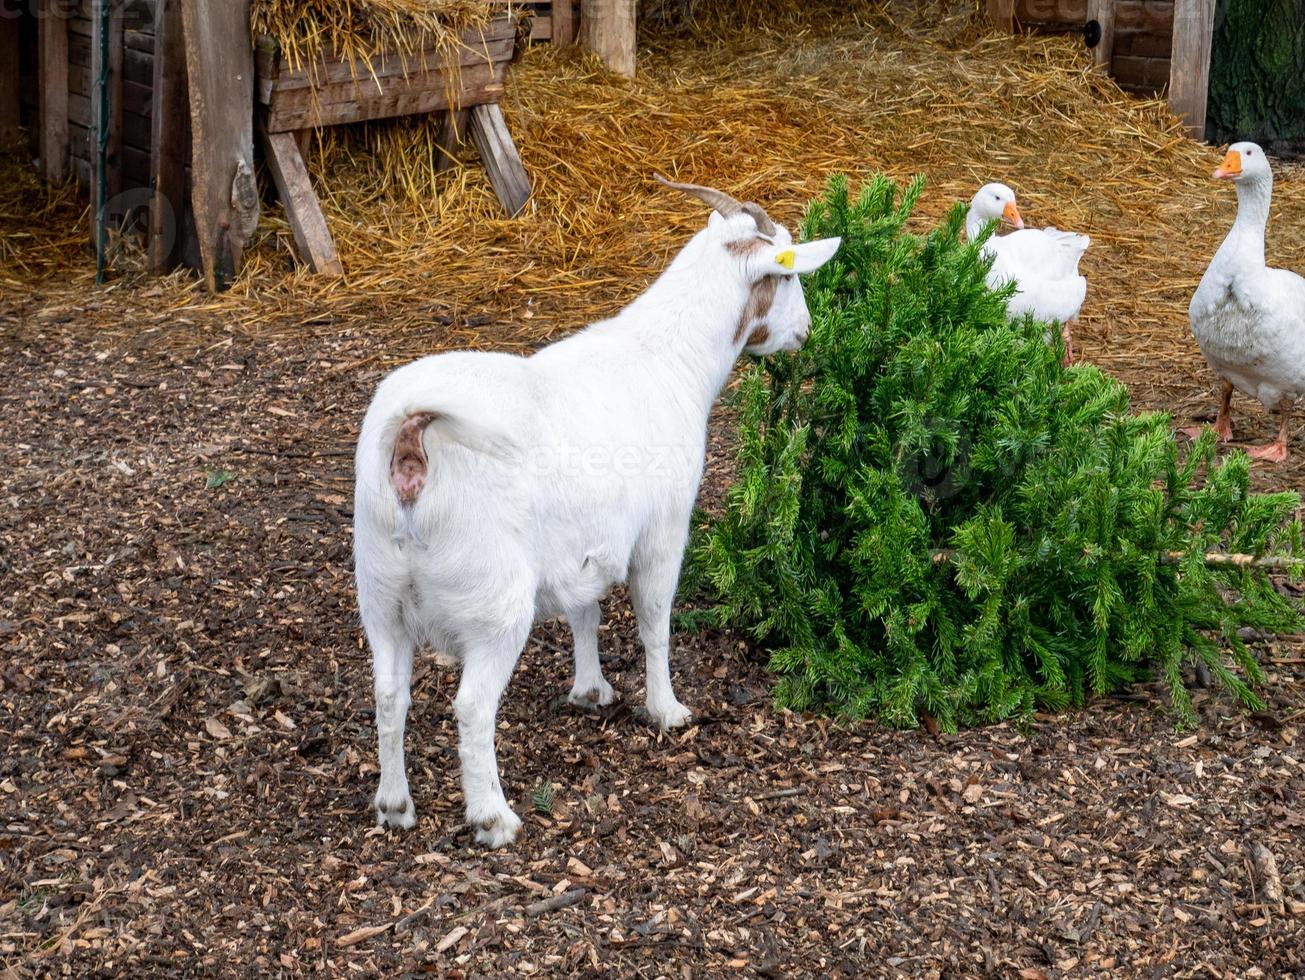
775,315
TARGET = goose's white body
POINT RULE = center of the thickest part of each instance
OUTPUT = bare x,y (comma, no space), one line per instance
1248,319
1042,262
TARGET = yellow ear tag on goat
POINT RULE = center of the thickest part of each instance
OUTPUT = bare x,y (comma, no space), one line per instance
785,258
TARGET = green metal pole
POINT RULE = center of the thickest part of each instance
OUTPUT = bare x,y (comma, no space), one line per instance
102,140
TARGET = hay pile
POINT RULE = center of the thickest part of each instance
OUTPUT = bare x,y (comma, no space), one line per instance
768,117
347,29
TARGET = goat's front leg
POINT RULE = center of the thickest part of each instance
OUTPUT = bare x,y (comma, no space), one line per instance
392,651
653,580
486,669
590,688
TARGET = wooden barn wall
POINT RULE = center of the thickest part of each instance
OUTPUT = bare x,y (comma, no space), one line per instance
135,92
1143,36
29,109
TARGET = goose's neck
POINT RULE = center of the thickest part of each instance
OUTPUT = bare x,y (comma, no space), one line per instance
1244,245
973,223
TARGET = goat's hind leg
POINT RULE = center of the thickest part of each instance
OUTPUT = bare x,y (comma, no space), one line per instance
486,669
590,689
392,650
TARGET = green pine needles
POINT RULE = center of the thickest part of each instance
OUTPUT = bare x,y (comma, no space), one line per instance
932,515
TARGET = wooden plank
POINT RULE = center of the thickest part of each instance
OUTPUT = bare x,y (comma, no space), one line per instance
1144,17
9,81
169,139
607,28
144,16
313,239
1002,13
137,99
135,172
79,144
499,154
1149,73
79,110
366,93
220,77
282,119
1189,66
374,77
563,23
135,131
79,50
452,134
113,164
53,57
1103,12
138,66
138,41
1050,15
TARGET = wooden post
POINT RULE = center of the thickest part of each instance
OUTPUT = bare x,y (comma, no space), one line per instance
220,88
169,139
8,78
563,23
1002,13
53,58
499,155
1189,65
607,29
313,238
1103,12
101,128
452,134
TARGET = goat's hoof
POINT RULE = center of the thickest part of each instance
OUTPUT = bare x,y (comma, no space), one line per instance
592,696
675,715
497,829
395,810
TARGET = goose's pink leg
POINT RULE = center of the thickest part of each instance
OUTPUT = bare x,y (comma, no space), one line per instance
1223,424
1276,451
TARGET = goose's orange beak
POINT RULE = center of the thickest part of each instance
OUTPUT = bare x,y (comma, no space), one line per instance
1231,166
1012,214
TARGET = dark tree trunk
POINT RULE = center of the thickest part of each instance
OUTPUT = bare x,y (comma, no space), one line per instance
1257,74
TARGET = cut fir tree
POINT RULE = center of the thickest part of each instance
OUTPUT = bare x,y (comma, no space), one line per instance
932,515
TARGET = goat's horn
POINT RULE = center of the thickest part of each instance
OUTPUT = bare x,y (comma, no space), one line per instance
719,200
725,204
761,218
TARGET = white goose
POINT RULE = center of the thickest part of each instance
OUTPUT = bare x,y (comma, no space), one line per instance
1043,262
1248,319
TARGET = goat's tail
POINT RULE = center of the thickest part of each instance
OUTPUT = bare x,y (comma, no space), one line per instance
392,449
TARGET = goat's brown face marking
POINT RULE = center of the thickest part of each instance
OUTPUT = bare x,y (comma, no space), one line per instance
408,461
745,246
758,305
759,336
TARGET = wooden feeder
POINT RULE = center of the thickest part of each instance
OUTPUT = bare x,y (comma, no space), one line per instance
175,93
465,87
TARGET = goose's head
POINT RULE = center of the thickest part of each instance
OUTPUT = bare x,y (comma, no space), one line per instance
1244,162
996,201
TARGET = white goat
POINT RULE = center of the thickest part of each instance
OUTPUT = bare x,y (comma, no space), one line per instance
493,490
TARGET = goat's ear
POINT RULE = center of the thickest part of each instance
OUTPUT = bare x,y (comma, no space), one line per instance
806,257
714,219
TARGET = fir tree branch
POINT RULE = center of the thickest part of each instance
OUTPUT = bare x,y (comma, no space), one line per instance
1212,559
